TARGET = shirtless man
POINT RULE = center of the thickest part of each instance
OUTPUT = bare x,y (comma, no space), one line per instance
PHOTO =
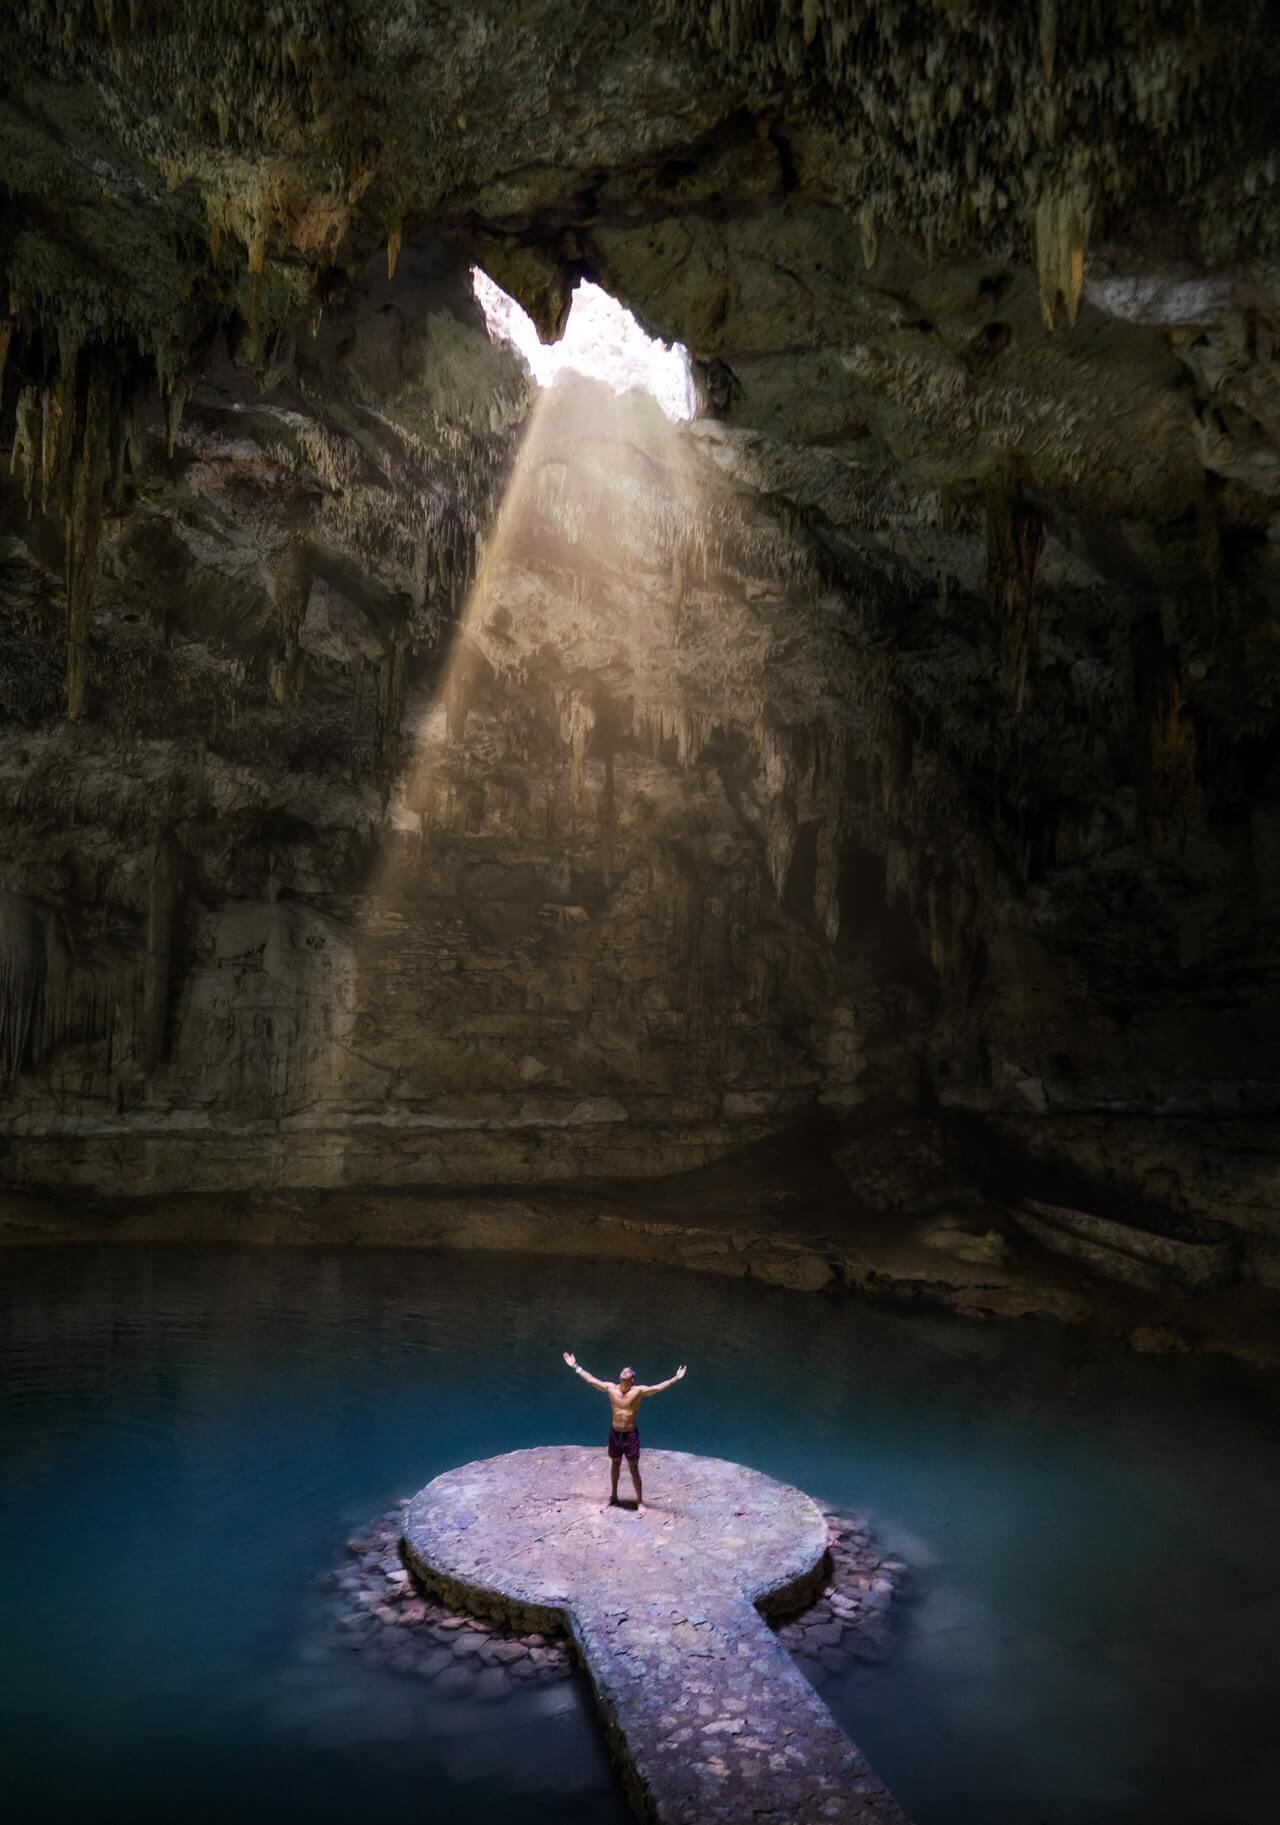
625,1396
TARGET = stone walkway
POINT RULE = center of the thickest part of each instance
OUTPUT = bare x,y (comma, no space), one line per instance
710,1716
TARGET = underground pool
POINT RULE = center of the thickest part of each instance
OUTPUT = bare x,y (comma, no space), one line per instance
1088,1630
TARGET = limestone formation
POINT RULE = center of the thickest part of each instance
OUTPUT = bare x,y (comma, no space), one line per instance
409,778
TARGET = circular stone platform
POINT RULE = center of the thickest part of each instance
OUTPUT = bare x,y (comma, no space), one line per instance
525,1536
710,1716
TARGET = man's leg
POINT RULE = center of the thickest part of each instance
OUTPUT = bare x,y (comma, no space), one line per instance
633,1465
615,1465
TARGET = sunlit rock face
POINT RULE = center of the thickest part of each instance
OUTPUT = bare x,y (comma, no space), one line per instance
410,773
514,849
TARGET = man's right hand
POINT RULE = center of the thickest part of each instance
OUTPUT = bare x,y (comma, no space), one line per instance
571,1359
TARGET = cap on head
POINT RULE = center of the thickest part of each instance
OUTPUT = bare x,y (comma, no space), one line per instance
627,1375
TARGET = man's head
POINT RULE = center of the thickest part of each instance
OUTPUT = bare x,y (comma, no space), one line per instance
626,1377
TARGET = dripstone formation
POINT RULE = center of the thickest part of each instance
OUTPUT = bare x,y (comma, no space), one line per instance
409,781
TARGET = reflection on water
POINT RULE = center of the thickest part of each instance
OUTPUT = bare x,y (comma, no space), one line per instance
188,1435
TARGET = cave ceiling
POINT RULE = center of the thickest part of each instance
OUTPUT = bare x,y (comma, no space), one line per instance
867,221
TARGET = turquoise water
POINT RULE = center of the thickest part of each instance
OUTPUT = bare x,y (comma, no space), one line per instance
189,1434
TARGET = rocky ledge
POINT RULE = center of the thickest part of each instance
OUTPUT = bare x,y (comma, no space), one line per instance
762,1213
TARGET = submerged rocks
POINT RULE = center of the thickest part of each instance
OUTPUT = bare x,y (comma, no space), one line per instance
392,1624
849,1622
1134,1252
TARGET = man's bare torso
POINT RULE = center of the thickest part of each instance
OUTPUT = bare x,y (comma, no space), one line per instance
623,1406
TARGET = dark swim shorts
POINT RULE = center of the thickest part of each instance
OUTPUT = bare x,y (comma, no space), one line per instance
625,1444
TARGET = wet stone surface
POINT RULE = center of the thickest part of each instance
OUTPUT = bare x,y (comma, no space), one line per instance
710,1711
390,1620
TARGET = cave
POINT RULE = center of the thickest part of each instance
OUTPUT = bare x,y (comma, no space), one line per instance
640,714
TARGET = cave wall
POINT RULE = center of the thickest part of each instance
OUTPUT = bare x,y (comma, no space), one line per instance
406,781
577,913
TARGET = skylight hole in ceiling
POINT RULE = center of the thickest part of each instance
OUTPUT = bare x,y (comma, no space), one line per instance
601,340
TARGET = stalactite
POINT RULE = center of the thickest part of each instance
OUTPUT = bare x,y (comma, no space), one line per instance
81,1002
22,970
64,1003
946,523
290,591
6,337
897,870
257,261
964,911
58,429
894,751
1166,756
287,675
359,672
938,919
178,393
123,448
609,811
48,445
1062,221
394,682
394,236
1048,36
48,996
163,904
826,886
1209,538
26,442
1049,117
576,721
679,583
869,234
84,530
1015,537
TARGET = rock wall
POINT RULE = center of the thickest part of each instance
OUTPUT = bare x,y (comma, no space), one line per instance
407,779
579,914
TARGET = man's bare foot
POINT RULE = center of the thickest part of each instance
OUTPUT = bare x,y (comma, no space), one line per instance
641,1509
613,1502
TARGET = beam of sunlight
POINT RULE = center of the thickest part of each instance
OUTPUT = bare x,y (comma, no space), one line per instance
563,613
558,677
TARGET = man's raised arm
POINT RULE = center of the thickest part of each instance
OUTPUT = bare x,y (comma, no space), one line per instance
659,1387
591,1381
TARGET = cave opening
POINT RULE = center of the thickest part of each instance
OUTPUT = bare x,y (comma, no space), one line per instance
601,340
